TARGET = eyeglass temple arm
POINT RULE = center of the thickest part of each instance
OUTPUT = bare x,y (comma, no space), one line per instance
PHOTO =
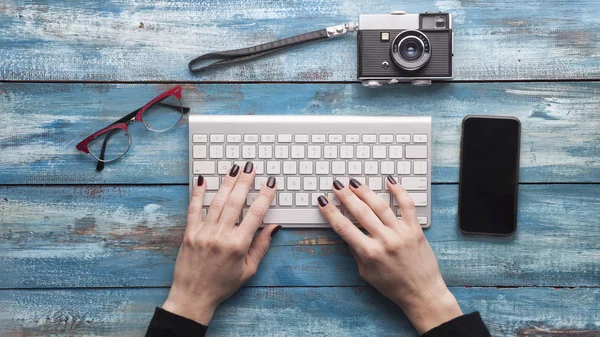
126,119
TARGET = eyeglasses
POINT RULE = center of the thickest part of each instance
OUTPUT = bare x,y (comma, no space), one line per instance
112,143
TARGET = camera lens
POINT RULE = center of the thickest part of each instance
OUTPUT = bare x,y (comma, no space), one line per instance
411,49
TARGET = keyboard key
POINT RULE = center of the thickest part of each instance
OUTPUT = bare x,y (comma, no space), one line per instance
280,183
322,167
420,167
346,152
318,138
289,167
199,151
301,199
286,199
293,216
250,138
310,183
334,199
208,197
297,152
385,196
284,138
386,138
314,152
212,183
282,151
363,152
234,138
273,167
306,167
416,151
361,180
259,167
375,183
265,151
216,151
259,182
200,138
387,167
232,151
379,152
204,167
369,138
420,199
248,151
223,166
403,167
217,138
336,138
251,198
267,138
325,183
402,138
344,180
330,152
354,167
419,138
314,199
395,151
422,220
414,183
371,167
352,138
293,183
301,138
338,167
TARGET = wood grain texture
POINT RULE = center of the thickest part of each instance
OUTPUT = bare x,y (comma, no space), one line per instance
95,236
42,123
290,311
153,41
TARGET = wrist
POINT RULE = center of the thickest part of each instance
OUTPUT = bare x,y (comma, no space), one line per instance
432,308
191,307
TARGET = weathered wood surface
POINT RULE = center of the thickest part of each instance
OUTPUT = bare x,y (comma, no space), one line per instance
153,41
290,311
42,123
95,236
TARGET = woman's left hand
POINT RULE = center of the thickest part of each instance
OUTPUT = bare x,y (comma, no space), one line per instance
217,256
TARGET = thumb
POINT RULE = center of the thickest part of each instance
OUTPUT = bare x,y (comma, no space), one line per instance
260,245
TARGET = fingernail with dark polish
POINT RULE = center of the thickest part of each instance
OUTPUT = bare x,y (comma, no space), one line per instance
271,182
200,180
355,183
338,185
275,230
234,170
248,168
322,201
392,180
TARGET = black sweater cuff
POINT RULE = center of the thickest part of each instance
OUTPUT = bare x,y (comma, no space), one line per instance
469,325
168,324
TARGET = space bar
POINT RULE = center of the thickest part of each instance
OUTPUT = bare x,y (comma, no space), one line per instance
295,216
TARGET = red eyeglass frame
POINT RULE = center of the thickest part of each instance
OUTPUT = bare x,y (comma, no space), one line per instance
124,122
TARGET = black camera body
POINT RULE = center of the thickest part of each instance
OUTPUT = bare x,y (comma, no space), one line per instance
400,47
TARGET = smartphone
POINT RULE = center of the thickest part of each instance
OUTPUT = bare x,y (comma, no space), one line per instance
489,175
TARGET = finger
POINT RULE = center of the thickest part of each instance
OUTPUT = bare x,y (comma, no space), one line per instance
255,215
357,258
361,211
237,198
218,202
259,247
407,205
378,205
341,225
194,218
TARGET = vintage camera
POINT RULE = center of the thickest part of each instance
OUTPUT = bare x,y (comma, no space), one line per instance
401,47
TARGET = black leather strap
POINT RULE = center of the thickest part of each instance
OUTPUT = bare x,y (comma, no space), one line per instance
245,54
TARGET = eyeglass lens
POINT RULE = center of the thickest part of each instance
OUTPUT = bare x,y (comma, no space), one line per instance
110,145
163,115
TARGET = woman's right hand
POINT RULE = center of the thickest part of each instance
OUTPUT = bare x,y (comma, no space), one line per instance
395,257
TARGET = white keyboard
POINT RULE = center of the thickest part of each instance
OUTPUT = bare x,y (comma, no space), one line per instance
307,153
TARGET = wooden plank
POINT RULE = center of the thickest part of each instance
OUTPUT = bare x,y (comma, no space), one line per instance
42,123
95,236
141,41
293,311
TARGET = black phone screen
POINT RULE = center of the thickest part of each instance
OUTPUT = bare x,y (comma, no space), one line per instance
489,175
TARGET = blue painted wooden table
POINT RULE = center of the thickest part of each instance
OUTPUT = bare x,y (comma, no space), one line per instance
91,254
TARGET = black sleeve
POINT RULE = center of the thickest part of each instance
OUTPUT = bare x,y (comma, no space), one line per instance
167,324
469,325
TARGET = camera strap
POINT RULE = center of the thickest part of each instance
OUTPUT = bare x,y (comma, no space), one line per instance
228,57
